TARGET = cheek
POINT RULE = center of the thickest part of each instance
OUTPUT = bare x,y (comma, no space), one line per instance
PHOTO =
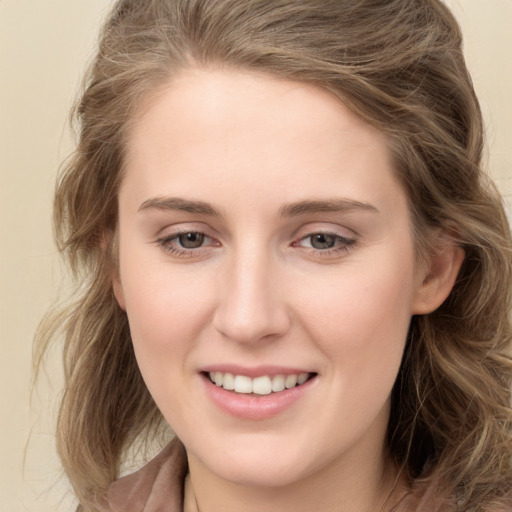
362,333
361,317
167,306
167,312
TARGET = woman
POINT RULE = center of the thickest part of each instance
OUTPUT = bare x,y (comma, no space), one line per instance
286,251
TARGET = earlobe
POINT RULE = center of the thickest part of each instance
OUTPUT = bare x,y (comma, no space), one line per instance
118,292
110,248
437,282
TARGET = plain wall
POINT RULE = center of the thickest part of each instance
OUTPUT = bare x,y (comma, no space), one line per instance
44,45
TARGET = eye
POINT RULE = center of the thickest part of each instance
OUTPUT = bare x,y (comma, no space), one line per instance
191,240
325,243
186,243
322,241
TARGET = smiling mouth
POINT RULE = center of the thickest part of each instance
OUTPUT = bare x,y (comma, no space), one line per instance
263,385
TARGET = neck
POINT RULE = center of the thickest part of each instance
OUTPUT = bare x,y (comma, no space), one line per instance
351,488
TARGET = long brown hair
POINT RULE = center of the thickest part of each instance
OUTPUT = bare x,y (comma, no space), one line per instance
399,65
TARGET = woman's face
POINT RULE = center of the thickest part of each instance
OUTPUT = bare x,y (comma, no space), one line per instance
264,238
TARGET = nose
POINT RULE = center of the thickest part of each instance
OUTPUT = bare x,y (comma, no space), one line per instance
251,306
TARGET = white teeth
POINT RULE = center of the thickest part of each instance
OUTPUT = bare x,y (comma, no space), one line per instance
303,377
263,385
243,384
228,381
278,383
290,381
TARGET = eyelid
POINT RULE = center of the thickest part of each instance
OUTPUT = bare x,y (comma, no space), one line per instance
326,233
167,236
343,244
183,227
343,239
326,228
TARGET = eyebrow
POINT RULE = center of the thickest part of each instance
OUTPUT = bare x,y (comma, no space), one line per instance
288,210
335,205
179,204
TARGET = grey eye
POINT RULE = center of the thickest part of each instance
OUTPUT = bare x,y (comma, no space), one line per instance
192,240
322,241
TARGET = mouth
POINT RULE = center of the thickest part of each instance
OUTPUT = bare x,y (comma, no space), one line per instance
258,386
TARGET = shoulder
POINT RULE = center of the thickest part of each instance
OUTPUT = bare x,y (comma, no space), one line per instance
158,486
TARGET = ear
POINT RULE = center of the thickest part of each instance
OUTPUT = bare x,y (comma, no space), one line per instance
109,245
437,277
117,288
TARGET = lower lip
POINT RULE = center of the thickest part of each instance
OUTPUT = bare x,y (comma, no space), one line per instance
255,407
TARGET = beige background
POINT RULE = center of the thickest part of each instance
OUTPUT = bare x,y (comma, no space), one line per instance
43,47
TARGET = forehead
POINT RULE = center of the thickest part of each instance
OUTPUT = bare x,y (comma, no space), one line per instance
242,129
197,101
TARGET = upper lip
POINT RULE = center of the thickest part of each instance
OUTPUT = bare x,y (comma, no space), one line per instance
254,371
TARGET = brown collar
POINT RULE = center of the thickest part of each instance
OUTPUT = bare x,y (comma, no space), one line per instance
156,487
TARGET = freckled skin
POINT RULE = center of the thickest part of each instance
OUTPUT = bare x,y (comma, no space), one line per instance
256,289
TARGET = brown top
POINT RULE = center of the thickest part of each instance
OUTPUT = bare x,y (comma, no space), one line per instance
159,487
156,487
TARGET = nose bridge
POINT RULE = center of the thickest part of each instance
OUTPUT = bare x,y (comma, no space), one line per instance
251,307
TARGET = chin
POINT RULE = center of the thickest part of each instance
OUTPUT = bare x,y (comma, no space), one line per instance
261,474
256,461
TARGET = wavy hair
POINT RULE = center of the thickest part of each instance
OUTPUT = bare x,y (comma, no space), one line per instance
399,65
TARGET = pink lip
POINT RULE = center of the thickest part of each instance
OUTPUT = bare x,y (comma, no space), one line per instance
254,407
255,371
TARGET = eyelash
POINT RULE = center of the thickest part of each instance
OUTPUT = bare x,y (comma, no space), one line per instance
343,244
166,243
